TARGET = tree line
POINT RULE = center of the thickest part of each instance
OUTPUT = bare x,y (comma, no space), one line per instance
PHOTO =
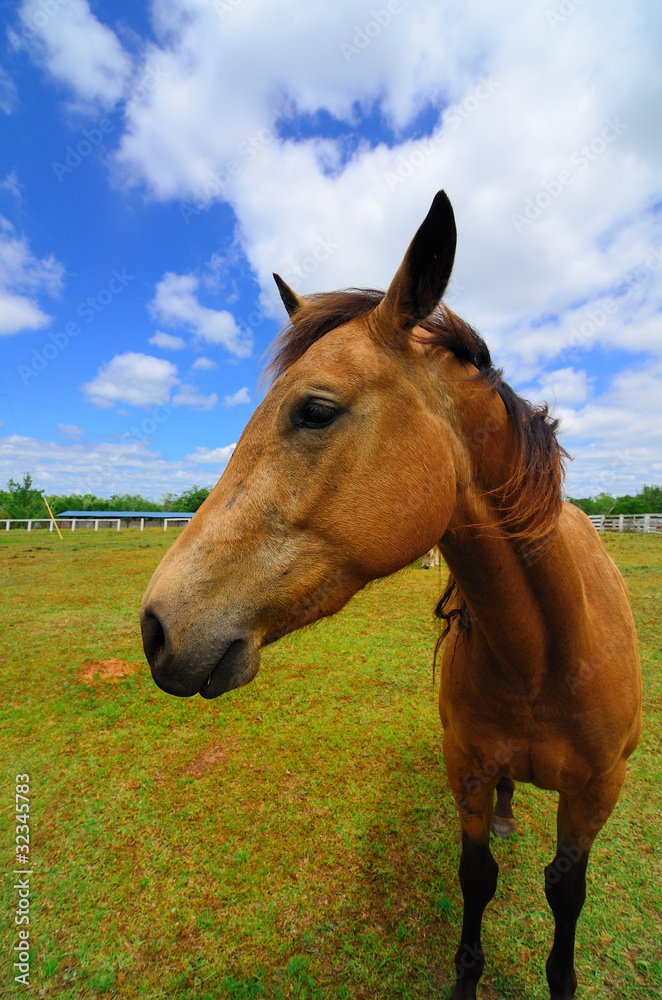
21,500
647,501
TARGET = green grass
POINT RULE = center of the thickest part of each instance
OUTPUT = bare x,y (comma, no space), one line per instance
294,838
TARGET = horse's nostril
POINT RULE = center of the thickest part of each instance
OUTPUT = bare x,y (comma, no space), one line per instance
154,637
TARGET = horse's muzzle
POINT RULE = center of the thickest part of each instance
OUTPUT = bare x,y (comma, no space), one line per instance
209,668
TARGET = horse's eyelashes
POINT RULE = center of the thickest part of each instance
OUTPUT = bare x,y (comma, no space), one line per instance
317,413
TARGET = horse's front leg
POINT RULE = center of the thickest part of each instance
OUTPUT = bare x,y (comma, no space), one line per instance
579,819
474,796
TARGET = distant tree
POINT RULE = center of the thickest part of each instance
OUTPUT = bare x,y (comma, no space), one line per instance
190,499
21,500
647,501
653,497
76,501
131,501
631,505
167,503
603,503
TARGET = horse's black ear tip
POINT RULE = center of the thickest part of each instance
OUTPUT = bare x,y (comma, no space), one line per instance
442,203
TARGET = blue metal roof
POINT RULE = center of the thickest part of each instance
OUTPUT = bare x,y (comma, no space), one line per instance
124,513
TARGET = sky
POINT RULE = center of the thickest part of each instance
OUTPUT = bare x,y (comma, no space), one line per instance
159,160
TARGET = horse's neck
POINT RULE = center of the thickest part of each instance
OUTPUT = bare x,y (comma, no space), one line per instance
521,602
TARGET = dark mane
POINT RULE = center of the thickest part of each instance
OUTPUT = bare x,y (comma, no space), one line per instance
529,503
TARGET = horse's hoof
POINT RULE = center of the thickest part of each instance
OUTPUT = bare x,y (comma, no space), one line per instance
503,827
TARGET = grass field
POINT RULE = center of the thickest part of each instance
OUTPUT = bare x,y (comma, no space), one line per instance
294,838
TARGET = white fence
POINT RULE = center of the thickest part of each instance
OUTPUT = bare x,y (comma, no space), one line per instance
86,522
641,523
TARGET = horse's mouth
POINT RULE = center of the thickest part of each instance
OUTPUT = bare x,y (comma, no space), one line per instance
237,666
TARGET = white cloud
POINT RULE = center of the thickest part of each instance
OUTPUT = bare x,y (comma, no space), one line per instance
8,99
188,395
142,380
615,437
167,341
11,185
137,379
23,274
212,456
203,365
239,397
563,388
101,468
76,48
19,313
548,145
69,431
175,304
512,125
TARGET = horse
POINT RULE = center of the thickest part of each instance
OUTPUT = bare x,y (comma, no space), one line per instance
387,430
431,559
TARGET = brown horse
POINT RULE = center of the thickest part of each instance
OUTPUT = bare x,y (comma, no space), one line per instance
387,430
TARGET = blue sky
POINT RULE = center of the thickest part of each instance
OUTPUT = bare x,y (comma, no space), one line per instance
159,160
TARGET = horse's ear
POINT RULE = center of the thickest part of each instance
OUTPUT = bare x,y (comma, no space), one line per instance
291,300
423,276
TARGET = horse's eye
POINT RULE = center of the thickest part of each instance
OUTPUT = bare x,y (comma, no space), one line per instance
316,413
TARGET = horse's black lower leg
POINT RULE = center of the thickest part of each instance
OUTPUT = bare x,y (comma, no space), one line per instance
503,821
565,888
478,878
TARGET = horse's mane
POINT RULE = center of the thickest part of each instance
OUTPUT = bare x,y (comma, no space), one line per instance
529,502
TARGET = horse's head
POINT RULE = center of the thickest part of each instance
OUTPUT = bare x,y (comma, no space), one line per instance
345,473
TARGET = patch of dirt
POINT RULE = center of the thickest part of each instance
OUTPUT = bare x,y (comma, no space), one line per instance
105,670
208,758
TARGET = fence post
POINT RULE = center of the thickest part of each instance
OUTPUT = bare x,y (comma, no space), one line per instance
7,524
119,523
142,523
165,523
29,524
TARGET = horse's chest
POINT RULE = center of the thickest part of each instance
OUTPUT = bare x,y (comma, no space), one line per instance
524,739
